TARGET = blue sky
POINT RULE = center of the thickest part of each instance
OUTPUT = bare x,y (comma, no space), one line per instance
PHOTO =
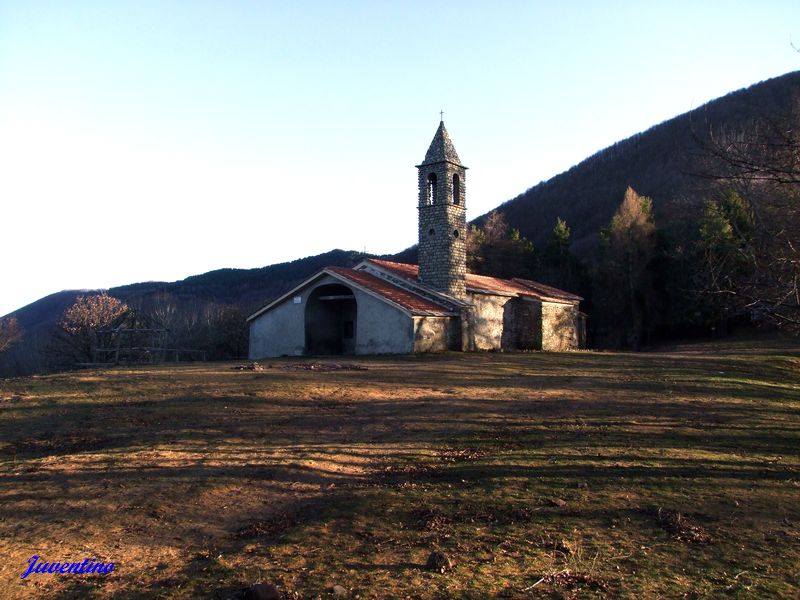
155,140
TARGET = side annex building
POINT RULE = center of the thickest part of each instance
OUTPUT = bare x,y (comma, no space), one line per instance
384,307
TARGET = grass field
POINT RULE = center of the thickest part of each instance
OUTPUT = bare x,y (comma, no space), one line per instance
671,474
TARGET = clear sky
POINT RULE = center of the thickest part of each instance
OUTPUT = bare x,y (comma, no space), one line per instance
152,140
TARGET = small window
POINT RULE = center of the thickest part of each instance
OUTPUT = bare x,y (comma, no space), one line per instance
348,330
431,232
455,233
456,189
431,193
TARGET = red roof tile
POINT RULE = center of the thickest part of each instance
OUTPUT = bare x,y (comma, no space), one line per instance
402,269
546,290
516,286
494,284
409,301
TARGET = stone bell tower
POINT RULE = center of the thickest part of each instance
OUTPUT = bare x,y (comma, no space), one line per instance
443,217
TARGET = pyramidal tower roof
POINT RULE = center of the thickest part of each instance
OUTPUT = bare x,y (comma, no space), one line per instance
441,149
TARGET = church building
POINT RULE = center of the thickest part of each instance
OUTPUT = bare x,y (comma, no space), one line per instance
384,307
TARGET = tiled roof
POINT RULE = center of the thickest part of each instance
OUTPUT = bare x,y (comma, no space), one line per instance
494,284
484,283
441,148
411,302
546,290
404,270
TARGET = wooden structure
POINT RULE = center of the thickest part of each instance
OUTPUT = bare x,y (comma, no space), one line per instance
133,337
137,338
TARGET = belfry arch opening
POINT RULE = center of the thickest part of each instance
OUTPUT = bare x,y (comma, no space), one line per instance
430,194
330,320
456,189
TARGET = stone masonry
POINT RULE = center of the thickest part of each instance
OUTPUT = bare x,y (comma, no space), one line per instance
443,217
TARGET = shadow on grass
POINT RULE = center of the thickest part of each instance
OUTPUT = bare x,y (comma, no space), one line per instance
536,419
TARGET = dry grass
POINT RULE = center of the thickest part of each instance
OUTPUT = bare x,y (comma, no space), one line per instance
539,475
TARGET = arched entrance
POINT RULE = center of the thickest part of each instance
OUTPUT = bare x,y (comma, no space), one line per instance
331,320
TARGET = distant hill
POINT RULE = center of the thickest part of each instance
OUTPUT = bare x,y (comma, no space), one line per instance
662,162
246,289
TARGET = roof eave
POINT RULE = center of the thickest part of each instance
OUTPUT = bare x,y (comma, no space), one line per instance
280,299
554,300
489,292
437,162
443,314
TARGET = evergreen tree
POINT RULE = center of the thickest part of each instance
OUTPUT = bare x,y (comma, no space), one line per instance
724,255
558,262
558,247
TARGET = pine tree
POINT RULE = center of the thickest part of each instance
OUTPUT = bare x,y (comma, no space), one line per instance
724,255
558,248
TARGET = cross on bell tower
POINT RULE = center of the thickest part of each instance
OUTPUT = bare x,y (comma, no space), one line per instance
442,217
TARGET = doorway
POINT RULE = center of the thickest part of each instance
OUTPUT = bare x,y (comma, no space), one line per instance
330,320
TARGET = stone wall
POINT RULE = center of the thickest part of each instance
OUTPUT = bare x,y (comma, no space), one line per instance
433,334
499,322
528,317
559,327
490,318
443,230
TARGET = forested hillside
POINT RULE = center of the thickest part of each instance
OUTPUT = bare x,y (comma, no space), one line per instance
669,163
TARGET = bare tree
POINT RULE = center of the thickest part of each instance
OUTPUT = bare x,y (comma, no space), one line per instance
762,165
499,250
10,333
80,323
229,333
